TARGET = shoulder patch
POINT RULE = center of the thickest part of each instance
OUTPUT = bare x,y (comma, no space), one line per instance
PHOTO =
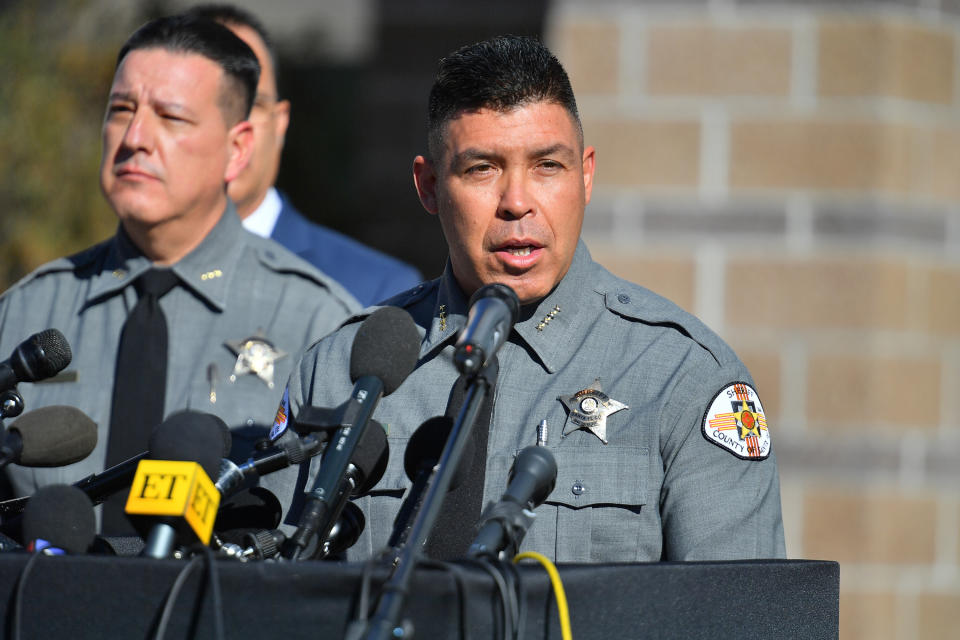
735,421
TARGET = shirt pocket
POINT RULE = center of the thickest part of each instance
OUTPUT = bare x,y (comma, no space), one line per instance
599,508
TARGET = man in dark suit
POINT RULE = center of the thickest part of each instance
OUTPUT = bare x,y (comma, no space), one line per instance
369,275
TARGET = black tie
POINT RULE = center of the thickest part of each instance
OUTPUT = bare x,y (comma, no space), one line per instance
139,386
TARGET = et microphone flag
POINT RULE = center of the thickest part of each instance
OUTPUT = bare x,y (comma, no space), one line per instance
176,489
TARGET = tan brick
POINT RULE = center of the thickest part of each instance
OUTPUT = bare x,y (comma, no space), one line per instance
590,52
717,61
645,153
944,165
938,616
877,527
898,392
884,58
821,154
943,301
672,278
868,616
765,369
828,293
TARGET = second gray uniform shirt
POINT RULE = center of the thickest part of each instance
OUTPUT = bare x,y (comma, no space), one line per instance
234,286
671,482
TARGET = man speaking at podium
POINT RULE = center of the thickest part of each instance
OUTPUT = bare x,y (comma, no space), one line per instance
660,439
181,308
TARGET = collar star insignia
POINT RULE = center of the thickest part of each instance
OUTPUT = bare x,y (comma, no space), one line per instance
589,409
255,355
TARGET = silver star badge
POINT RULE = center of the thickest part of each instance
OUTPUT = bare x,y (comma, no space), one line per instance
255,355
589,409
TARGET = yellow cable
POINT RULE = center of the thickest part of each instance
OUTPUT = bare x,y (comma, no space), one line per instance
558,591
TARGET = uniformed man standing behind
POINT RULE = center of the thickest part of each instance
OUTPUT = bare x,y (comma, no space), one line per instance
182,308
660,439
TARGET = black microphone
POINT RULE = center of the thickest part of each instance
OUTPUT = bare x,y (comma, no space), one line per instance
287,451
49,437
186,500
419,461
39,357
494,309
504,524
59,519
384,353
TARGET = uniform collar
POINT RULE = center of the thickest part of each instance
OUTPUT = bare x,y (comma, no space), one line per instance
551,328
449,313
206,270
555,326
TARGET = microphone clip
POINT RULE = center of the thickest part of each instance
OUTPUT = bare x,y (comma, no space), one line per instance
513,519
11,403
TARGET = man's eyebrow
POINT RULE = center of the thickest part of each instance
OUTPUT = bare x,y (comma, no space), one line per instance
474,153
554,149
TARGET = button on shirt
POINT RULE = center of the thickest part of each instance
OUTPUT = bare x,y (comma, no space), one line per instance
658,490
234,285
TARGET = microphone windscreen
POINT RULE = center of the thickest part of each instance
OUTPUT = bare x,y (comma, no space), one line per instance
386,346
252,508
371,456
426,446
55,436
192,436
61,515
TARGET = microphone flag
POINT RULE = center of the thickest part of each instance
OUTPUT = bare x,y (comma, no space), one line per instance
176,489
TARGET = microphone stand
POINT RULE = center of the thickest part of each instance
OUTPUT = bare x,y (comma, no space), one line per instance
387,614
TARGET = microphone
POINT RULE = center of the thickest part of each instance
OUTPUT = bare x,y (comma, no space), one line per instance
494,309
175,482
287,451
49,437
419,461
39,357
384,353
504,524
59,519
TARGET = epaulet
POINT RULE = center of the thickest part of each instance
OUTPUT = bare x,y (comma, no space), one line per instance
411,296
280,260
404,300
87,260
635,302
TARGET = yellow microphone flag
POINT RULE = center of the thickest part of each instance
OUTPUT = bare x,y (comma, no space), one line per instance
177,489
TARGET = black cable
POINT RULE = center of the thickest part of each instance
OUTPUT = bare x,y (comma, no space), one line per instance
172,596
505,600
516,595
462,598
18,595
213,579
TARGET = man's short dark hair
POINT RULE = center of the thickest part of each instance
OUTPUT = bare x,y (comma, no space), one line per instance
501,74
230,15
191,34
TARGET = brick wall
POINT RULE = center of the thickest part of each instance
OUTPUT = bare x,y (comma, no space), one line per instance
790,172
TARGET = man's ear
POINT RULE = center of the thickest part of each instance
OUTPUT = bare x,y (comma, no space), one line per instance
240,139
281,120
589,167
425,179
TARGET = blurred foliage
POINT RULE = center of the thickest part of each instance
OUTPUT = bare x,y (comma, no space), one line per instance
53,87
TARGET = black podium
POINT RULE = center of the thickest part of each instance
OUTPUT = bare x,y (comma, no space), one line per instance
110,597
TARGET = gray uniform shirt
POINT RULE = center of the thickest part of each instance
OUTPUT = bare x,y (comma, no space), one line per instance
235,285
658,489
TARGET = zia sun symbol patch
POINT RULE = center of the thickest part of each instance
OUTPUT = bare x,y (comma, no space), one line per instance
735,421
